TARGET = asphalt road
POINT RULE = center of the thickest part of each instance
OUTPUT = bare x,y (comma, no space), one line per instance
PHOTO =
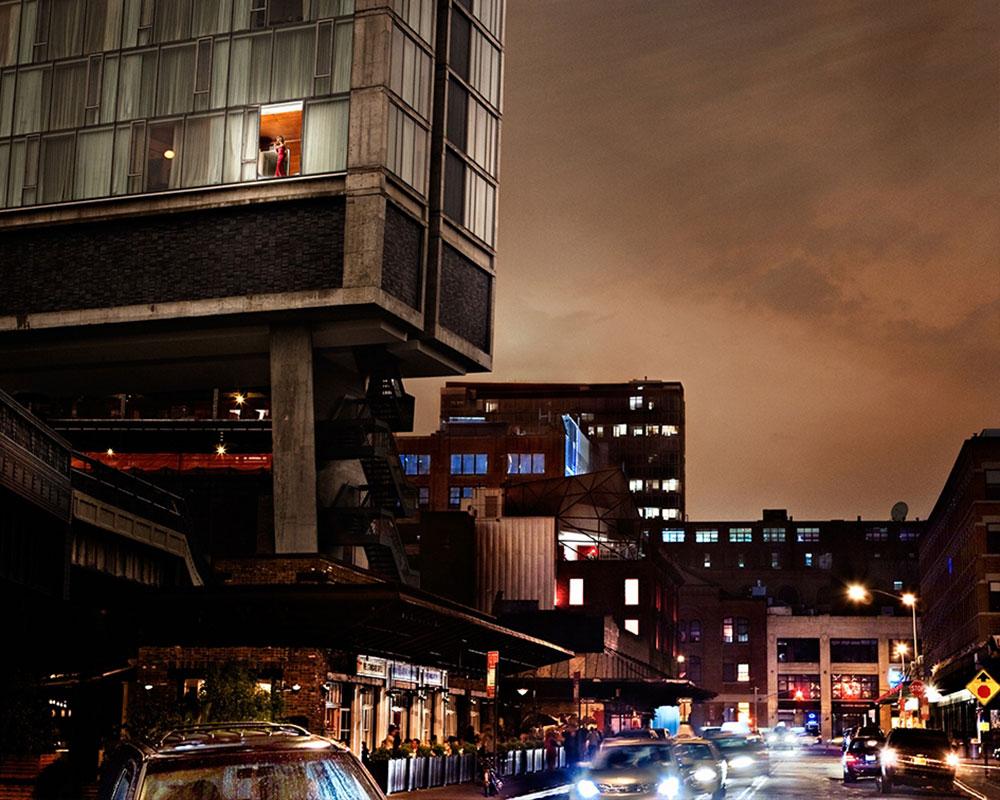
801,775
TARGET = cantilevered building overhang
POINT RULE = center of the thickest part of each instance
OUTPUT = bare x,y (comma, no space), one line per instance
379,619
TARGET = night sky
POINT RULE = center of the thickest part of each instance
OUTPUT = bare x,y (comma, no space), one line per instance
791,207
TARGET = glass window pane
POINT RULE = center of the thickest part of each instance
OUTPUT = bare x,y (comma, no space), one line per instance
163,156
29,17
104,21
294,61
4,160
342,55
16,172
65,27
454,187
122,159
172,20
458,113
7,81
137,85
324,145
211,16
203,150
175,90
483,129
461,31
282,11
32,100
10,16
69,92
55,169
93,163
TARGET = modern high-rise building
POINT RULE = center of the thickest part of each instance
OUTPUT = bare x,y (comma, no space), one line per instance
636,426
293,196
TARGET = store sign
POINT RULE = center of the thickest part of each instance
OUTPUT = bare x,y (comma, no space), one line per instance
492,660
373,667
401,671
433,677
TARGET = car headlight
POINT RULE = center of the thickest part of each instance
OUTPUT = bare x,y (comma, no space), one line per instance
587,789
669,787
952,759
888,756
704,774
740,762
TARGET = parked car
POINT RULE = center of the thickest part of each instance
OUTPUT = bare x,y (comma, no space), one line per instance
252,759
917,757
666,770
861,731
862,757
744,755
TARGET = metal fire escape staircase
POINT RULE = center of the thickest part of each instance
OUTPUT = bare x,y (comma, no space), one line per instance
363,512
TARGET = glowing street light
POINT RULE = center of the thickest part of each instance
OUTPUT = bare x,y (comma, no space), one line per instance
859,594
901,651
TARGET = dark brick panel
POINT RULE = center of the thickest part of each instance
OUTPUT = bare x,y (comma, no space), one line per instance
465,298
258,249
402,256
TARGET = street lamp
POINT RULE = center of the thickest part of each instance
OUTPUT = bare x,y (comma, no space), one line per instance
859,594
901,650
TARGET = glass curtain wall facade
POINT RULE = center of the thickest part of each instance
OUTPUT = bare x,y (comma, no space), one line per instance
102,98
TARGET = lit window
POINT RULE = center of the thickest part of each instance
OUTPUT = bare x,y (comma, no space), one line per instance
620,430
631,591
652,430
651,512
576,591
637,430
807,534
897,586
414,464
668,430
635,485
742,630
469,463
908,535
727,630
773,534
877,535
740,535
673,536
458,494
652,486
424,496
808,559
743,713
707,560
490,406
694,631
635,402
632,626
743,673
741,561
600,430
525,463
280,154
775,560
671,513
706,536
671,485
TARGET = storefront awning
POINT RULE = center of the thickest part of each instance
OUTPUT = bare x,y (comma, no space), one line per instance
378,619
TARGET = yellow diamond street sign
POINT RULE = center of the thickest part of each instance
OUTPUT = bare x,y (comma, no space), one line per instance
983,687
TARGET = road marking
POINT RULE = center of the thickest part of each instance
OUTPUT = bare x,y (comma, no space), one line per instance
970,791
751,790
564,789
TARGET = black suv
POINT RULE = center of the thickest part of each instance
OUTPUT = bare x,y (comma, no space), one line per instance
917,757
256,761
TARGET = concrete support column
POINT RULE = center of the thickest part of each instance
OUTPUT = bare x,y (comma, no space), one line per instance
825,690
294,440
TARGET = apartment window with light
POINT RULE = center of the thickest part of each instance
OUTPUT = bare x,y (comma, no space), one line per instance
706,562
414,464
635,402
741,561
908,535
673,536
705,537
619,430
877,535
742,673
651,512
742,630
807,535
652,486
469,463
576,591
671,513
740,535
600,430
694,631
808,559
635,485
671,485
631,591
727,630
525,463
897,586
773,534
775,560
458,495
652,430
637,430
632,626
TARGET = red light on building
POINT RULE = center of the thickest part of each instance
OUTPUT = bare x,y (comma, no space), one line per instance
799,694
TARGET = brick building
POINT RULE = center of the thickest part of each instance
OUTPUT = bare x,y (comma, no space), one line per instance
960,581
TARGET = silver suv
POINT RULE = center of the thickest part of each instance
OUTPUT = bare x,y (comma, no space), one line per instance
250,761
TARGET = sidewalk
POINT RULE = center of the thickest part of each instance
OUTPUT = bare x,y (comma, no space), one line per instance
519,787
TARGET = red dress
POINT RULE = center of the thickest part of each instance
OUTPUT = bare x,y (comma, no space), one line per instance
281,169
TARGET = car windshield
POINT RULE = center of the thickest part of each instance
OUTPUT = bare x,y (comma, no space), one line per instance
632,756
689,753
732,744
920,737
267,776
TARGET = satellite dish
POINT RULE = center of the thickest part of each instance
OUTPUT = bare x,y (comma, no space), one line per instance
899,512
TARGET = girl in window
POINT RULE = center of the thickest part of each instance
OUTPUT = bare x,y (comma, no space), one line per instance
281,168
